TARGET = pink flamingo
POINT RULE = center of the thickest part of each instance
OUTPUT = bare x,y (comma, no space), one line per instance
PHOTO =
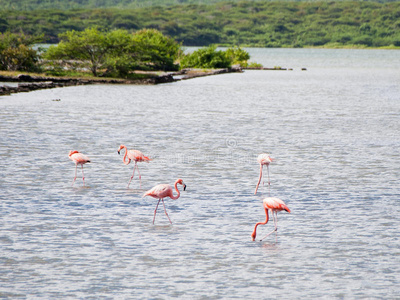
164,190
274,204
264,160
136,156
78,159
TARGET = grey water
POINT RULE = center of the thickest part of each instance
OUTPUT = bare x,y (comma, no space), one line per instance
333,130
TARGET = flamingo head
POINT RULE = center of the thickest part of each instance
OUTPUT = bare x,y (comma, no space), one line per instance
72,152
120,147
180,181
269,159
253,236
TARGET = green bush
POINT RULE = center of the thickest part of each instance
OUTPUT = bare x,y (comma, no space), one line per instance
207,57
237,55
363,40
115,53
211,58
155,51
17,54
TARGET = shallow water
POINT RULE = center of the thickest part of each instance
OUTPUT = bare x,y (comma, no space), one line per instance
332,129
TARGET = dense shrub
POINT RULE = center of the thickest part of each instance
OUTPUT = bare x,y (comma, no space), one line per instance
207,57
210,57
17,54
115,53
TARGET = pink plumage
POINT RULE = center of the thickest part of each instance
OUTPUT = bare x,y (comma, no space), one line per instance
136,156
274,205
162,191
79,159
264,160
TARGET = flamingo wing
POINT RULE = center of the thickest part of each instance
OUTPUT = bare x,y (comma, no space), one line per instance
264,159
159,191
275,204
137,155
79,158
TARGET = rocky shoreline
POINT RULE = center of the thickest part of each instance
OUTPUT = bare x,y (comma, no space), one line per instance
28,83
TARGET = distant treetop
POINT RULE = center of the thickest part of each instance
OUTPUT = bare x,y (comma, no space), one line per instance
333,24
28,5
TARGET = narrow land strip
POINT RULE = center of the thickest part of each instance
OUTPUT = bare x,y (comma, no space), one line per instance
27,83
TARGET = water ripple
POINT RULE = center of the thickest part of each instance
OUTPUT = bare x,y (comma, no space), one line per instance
332,130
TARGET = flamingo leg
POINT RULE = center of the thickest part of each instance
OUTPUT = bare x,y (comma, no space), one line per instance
166,211
267,235
73,181
259,180
274,215
155,211
276,221
140,176
83,176
263,174
269,182
132,175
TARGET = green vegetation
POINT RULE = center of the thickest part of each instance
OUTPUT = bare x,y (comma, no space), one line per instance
113,37
211,58
244,23
16,53
90,46
115,53
208,58
27,5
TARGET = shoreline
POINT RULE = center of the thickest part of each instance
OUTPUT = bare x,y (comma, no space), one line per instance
28,83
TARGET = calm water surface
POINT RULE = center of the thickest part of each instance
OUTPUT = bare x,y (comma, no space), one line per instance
333,129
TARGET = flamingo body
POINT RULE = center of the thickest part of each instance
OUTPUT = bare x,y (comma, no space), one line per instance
274,205
162,191
79,159
264,160
136,156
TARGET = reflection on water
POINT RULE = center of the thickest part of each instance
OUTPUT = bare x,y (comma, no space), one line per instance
333,131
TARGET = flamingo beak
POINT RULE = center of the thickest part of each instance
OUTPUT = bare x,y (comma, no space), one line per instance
184,187
118,152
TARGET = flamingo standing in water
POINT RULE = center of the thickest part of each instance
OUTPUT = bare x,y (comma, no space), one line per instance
78,159
164,190
264,160
136,156
274,205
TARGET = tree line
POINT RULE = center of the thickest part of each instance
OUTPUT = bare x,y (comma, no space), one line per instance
117,53
27,5
243,23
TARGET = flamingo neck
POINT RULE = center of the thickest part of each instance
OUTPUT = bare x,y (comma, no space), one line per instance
260,223
179,193
126,153
259,179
